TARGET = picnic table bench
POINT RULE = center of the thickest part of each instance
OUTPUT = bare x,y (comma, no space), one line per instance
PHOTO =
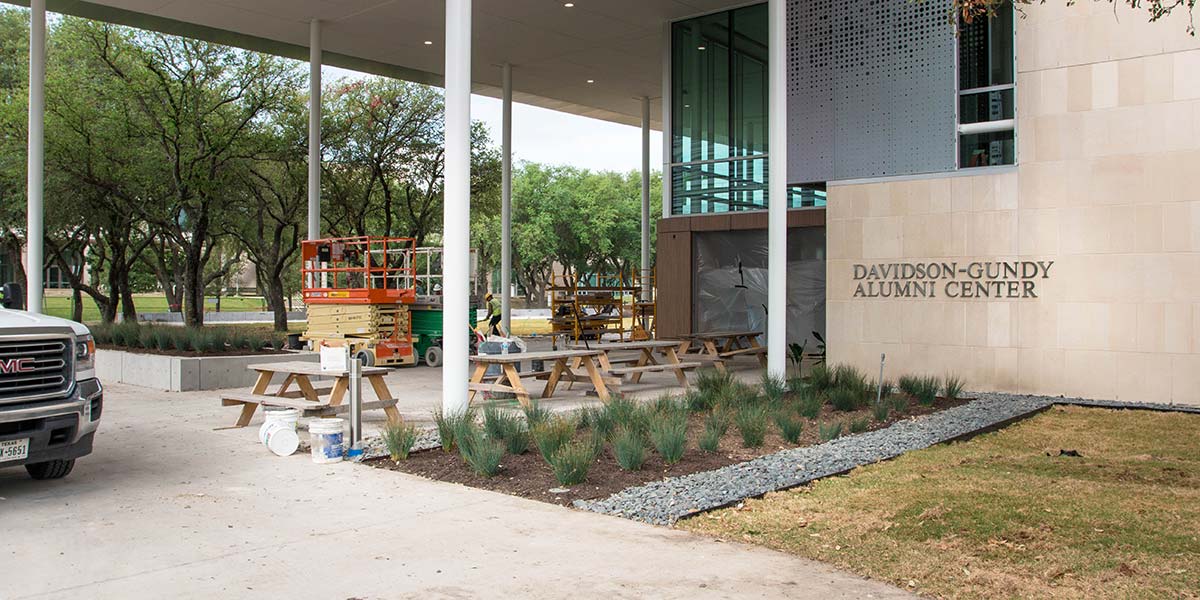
646,362
307,397
510,380
720,346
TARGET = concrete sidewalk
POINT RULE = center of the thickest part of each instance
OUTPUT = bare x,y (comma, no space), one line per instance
168,507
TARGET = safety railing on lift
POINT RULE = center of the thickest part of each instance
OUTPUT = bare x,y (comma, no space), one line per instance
358,270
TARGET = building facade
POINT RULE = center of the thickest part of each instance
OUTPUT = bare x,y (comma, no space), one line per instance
1017,204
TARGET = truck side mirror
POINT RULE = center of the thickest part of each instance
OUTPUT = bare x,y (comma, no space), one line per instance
14,296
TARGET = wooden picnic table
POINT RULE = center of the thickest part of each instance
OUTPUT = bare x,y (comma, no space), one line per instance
646,361
306,396
510,380
720,346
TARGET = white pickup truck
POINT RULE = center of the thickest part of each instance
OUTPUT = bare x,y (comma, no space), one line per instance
50,399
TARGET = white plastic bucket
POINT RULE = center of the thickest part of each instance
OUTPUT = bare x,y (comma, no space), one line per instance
280,437
326,440
287,416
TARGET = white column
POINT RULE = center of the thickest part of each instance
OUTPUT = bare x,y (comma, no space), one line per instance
314,130
645,198
456,216
506,197
777,191
35,227
666,122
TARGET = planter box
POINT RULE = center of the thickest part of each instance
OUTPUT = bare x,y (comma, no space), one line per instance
185,373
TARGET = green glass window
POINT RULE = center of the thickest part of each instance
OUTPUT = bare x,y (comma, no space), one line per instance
719,112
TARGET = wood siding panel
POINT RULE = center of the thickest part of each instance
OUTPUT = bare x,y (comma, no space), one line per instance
674,224
674,279
711,223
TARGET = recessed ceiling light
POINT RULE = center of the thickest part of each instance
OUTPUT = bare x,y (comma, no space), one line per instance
701,48
591,81
569,4
428,42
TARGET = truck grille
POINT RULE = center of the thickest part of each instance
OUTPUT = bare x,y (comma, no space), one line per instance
35,369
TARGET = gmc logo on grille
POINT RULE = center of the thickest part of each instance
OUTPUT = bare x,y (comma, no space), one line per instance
16,365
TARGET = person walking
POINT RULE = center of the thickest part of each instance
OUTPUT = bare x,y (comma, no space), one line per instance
493,315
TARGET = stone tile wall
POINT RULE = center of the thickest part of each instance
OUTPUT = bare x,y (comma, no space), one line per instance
1107,186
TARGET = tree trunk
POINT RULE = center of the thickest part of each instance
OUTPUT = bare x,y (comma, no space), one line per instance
274,295
76,304
108,310
128,310
193,292
118,282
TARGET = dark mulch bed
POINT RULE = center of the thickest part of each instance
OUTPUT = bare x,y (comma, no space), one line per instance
190,353
528,475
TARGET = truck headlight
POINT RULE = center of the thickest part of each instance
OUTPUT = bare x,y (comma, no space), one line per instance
85,353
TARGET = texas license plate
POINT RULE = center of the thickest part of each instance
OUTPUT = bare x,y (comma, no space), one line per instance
14,450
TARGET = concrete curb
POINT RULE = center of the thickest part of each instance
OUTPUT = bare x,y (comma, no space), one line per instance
185,373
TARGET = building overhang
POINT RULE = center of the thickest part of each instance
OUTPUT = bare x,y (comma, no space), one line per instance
554,50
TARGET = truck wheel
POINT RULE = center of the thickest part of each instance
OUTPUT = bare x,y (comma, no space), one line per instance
433,356
55,469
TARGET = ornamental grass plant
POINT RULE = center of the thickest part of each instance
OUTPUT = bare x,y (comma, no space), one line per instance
552,434
952,388
829,431
398,439
449,425
790,425
629,447
668,433
571,461
752,421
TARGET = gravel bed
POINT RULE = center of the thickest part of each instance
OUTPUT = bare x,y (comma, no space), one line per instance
664,502
427,439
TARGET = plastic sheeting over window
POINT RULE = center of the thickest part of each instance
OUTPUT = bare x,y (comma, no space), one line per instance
730,282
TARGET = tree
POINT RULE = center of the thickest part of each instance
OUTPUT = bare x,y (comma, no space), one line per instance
385,156
969,10
385,147
268,219
96,175
197,105
14,92
588,223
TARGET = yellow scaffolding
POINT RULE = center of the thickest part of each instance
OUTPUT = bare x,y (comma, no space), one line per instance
590,309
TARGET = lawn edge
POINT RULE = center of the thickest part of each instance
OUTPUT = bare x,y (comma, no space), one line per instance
662,505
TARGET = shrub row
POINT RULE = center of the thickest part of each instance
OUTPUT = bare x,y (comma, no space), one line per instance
633,428
165,338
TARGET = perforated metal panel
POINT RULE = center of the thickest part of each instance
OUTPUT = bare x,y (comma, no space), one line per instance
870,89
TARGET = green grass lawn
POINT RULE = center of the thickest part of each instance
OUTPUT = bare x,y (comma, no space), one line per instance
1004,515
60,306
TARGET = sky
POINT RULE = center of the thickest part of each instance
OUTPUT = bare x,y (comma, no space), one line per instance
557,138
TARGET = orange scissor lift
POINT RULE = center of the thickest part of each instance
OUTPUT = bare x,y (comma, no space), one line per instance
358,291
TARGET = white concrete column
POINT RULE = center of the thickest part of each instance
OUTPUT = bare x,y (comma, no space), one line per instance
667,155
645,198
777,190
35,225
506,197
456,216
314,130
